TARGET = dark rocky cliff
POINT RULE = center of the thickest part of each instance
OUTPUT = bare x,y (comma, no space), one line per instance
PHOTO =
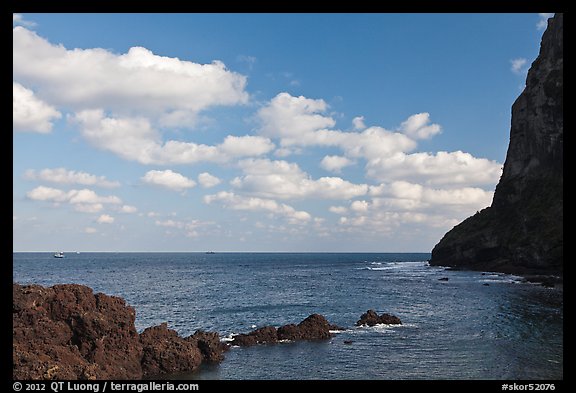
522,231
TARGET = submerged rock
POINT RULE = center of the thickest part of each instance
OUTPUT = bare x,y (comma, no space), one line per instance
372,318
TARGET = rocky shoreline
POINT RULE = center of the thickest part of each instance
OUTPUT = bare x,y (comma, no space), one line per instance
66,332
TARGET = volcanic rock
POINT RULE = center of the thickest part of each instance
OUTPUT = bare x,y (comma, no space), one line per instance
164,352
522,231
264,335
372,318
68,332
314,327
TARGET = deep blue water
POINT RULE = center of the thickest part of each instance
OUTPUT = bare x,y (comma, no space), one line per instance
455,329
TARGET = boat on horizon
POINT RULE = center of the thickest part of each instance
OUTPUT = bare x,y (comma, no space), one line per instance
59,254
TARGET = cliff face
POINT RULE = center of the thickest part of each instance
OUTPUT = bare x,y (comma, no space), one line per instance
522,232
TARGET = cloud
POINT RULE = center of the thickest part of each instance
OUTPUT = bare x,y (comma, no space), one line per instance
105,219
245,146
90,230
335,163
64,176
206,180
441,168
84,200
138,81
518,66
189,227
291,117
417,126
358,123
359,206
299,121
18,19
404,209
128,209
29,113
543,21
248,60
410,196
338,209
283,180
168,179
233,201
135,139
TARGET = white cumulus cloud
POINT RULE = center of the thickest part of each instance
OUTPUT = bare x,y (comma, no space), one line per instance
29,113
128,209
189,227
233,201
207,180
518,66
84,200
65,176
168,179
358,123
138,81
335,163
441,168
543,20
284,180
135,139
418,126
300,121
291,117
18,19
105,219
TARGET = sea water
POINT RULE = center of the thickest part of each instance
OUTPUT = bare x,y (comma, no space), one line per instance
474,325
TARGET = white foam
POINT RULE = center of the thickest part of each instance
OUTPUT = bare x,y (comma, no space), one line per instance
228,338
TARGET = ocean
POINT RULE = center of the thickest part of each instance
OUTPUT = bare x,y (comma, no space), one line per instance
474,325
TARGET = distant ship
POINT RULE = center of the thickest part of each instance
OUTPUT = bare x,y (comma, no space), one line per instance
59,254
210,252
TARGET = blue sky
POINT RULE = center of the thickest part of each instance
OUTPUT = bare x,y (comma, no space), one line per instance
260,132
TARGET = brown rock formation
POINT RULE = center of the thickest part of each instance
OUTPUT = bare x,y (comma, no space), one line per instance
68,332
314,327
372,318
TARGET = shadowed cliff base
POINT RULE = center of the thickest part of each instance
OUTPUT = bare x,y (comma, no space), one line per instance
522,231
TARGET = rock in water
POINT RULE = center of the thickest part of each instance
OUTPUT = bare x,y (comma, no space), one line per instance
314,327
372,318
264,335
522,231
164,352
